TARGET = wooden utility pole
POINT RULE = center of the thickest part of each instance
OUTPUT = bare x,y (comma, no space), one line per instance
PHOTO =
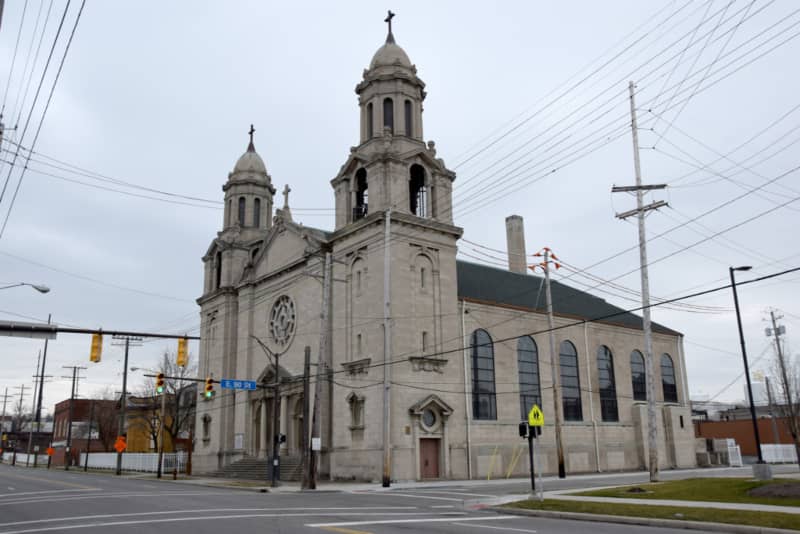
387,353
791,412
124,401
75,377
41,389
554,365
35,386
19,407
89,438
652,430
313,464
775,434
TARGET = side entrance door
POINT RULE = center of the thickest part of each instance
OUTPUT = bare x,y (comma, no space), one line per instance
429,457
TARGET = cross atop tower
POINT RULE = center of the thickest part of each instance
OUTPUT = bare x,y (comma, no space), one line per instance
388,20
286,191
251,132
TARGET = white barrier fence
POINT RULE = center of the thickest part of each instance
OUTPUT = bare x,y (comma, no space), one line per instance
779,454
137,461
22,458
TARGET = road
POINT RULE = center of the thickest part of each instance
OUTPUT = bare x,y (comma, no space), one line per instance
38,500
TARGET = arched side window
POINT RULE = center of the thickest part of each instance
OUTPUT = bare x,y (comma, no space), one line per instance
370,122
362,195
528,366
570,382
417,197
638,376
218,270
257,212
484,402
607,384
668,379
409,119
241,211
388,114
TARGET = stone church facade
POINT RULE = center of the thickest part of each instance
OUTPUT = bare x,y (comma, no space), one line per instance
460,350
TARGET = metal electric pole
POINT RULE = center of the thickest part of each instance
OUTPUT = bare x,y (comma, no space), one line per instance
641,209
554,365
75,377
124,400
306,481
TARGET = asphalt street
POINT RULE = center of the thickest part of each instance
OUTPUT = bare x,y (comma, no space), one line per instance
38,500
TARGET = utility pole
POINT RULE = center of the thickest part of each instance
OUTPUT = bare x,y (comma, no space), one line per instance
3,421
161,431
641,209
775,434
19,406
89,438
121,428
41,390
313,464
33,408
75,377
554,364
306,403
387,353
792,414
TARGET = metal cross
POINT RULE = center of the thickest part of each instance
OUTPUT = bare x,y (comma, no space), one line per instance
388,20
251,132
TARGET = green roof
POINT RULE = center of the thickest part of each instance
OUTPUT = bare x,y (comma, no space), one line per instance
497,286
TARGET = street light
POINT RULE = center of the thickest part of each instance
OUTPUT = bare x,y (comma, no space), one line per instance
41,288
761,470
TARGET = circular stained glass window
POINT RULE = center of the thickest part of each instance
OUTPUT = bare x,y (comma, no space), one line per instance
282,321
428,418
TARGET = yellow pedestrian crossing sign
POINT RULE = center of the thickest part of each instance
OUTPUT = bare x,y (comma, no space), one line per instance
535,416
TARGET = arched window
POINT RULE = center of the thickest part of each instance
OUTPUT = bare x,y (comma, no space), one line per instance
362,195
218,270
607,384
241,211
370,122
257,212
409,119
416,191
668,379
570,382
484,402
528,366
638,376
388,114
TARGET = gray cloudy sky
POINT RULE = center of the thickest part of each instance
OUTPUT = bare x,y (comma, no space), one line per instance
527,101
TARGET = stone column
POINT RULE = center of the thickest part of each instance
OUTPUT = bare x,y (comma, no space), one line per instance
284,421
263,441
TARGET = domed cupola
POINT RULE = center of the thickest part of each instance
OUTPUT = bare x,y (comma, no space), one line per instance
249,192
391,94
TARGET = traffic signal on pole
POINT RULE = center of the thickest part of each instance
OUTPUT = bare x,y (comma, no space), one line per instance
523,429
183,358
160,382
96,352
209,387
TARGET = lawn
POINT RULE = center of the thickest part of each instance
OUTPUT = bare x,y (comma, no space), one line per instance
736,517
710,489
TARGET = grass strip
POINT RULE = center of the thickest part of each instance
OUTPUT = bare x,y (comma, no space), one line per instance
732,490
734,517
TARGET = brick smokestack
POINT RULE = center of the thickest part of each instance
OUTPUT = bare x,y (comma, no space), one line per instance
515,243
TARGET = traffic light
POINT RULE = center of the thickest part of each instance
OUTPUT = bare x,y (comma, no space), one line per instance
209,387
160,382
182,359
96,352
523,429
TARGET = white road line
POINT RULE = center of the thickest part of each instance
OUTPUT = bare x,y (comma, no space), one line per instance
412,496
207,510
44,492
456,493
193,518
442,506
401,521
34,500
494,528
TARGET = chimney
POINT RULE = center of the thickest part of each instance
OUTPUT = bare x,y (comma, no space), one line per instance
515,241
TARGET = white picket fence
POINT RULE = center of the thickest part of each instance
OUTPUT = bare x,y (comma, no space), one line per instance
776,454
137,461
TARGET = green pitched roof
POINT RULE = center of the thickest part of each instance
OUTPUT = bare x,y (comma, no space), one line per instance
497,286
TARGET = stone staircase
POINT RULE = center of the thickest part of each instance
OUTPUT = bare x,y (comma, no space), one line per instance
251,468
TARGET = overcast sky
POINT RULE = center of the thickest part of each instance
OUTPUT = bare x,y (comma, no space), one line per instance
527,102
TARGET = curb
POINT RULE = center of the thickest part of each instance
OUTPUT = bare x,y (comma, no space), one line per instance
643,521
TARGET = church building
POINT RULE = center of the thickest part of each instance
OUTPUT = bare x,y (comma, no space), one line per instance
421,365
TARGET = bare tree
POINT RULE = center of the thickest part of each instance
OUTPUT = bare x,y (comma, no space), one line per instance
106,418
787,368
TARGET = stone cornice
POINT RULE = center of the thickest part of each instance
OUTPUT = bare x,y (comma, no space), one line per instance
400,217
219,292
